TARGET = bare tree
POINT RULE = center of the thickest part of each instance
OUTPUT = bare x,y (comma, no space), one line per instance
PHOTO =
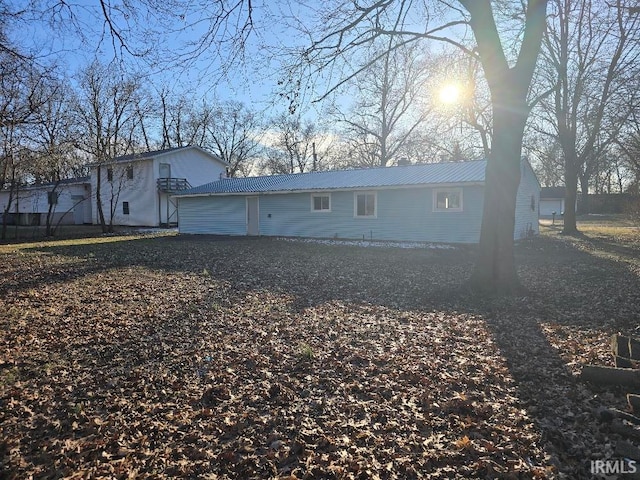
233,133
22,94
628,145
183,123
52,137
295,146
467,119
549,165
592,56
107,108
390,107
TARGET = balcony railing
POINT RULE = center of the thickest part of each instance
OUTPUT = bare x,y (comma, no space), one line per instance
172,185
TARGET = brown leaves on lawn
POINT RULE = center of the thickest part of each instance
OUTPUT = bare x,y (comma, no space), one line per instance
201,358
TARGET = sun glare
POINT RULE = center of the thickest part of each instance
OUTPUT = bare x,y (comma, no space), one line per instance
449,94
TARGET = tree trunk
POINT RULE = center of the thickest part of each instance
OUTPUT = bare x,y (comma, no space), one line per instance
495,269
101,219
585,207
5,222
571,193
49,220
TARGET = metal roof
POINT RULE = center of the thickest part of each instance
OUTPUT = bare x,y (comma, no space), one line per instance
64,181
425,174
143,155
158,153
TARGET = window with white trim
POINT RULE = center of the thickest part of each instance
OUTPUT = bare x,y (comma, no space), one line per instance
366,204
447,200
320,202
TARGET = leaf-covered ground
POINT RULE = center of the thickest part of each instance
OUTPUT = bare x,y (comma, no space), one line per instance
201,357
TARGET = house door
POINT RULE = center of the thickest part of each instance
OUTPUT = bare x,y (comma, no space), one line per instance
165,170
253,220
78,209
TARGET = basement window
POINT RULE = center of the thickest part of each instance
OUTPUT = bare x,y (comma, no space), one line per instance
321,203
125,208
447,200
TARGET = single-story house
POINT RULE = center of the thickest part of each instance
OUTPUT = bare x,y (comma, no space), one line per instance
29,205
137,189
438,202
552,200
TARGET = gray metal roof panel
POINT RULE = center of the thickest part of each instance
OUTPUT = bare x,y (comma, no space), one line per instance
431,173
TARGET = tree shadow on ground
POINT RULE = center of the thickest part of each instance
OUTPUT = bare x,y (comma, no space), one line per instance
573,289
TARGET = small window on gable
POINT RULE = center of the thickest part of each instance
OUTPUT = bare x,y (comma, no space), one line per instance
366,204
125,208
321,203
52,198
110,174
130,172
447,200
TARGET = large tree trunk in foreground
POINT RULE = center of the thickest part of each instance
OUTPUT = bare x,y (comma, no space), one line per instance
495,268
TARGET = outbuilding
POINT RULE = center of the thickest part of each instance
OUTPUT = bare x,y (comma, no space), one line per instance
436,202
552,201
68,201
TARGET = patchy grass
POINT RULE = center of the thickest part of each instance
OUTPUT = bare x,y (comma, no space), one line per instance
202,357
26,234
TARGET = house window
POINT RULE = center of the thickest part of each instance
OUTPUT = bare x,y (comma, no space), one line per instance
110,174
130,172
320,203
52,198
366,204
125,208
447,200
533,203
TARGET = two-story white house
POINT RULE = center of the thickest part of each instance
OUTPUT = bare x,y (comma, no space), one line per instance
136,189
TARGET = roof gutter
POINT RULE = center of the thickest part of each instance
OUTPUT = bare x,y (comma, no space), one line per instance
329,190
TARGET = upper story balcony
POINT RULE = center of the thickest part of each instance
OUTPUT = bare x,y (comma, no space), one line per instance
172,185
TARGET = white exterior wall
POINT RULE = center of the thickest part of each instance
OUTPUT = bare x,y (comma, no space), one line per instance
146,206
550,205
34,200
140,193
527,203
193,164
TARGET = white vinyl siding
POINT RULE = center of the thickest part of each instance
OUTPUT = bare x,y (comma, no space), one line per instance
526,220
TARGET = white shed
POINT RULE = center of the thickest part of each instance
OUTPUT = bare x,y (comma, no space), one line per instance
552,200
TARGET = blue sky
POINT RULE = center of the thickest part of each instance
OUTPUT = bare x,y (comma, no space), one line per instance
78,35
